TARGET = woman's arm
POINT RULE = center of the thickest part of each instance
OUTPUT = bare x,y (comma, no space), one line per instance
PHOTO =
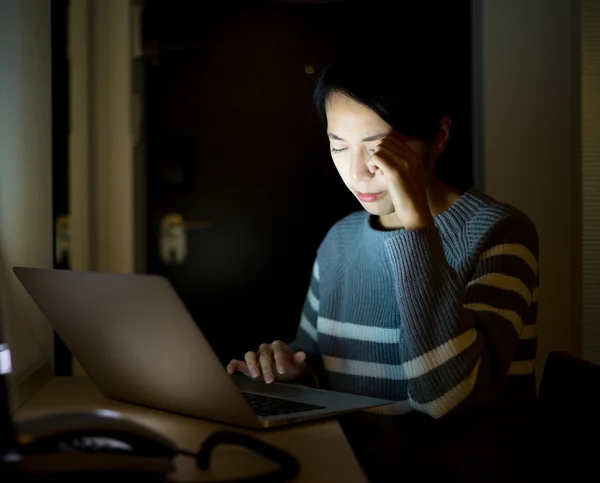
458,342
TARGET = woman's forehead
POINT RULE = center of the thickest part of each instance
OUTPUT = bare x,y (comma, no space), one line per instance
346,115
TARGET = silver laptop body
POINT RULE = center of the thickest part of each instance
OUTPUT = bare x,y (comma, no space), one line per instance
138,343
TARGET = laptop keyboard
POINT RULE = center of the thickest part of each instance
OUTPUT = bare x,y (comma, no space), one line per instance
265,406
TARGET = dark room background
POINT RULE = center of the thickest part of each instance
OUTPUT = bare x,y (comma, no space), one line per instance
233,145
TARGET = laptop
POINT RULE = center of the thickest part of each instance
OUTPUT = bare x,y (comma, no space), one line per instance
138,343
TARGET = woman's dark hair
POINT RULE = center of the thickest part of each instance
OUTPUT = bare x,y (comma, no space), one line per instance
407,93
411,75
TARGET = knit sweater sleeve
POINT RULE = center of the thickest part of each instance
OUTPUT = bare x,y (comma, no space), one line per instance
459,339
306,336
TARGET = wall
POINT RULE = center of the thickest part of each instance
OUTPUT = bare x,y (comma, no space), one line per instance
25,184
101,139
590,133
112,175
527,72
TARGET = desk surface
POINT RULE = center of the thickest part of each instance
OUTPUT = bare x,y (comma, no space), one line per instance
321,447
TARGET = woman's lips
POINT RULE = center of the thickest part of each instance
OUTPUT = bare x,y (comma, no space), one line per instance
369,197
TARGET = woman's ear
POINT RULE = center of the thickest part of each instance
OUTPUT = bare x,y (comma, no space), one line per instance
441,140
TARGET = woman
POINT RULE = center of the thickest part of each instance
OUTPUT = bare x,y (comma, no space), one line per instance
429,296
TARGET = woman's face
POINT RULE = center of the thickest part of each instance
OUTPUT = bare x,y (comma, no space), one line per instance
354,132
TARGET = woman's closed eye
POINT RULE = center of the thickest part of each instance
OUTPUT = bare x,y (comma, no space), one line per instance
371,151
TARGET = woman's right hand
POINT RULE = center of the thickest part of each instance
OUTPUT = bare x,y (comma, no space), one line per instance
275,361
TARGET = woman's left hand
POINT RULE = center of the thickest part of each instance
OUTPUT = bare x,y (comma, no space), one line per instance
405,173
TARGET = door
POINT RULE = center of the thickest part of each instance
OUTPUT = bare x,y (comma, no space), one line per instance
234,146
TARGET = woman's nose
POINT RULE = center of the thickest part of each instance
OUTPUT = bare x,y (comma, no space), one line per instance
359,170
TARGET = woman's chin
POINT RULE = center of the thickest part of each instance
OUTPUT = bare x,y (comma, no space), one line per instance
378,208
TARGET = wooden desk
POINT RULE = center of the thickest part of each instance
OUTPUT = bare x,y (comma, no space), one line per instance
321,447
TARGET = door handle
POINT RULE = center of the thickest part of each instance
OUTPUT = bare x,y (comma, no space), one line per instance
173,237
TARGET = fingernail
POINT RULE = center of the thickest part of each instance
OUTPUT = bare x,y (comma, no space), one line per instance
280,368
254,372
268,378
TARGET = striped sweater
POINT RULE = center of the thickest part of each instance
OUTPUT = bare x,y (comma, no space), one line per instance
436,320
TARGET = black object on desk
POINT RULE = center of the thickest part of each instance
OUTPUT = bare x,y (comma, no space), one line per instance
92,446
